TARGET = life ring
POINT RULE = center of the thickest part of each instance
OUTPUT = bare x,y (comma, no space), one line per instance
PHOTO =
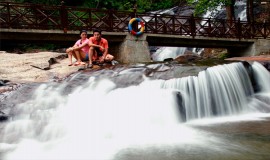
130,26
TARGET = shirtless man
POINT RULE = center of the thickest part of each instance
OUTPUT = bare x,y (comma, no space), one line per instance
98,51
79,50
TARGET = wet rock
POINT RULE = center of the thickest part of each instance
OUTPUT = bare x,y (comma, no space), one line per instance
43,66
5,89
3,116
213,52
11,99
46,65
159,67
52,61
168,59
6,86
181,106
187,58
266,65
3,82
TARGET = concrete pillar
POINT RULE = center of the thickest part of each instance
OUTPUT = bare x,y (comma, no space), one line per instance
134,49
261,46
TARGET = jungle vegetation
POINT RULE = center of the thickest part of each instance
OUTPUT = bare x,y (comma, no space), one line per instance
200,6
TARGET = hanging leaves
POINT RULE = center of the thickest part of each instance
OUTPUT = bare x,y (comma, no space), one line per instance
201,6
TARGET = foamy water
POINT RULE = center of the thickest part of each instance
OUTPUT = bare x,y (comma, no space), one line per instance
94,123
100,121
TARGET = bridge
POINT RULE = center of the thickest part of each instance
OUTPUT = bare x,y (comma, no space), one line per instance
61,24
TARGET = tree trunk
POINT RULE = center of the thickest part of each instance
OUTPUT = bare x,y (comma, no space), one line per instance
230,11
249,11
250,16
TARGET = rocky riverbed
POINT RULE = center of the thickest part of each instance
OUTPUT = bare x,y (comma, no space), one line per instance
16,69
34,67
228,140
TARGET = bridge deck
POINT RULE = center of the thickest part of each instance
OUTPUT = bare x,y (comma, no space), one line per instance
67,18
61,25
57,36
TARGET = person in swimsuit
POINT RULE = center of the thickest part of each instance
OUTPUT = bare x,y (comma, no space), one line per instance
98,51
79,50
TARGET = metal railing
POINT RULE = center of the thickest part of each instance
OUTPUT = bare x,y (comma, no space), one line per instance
61,17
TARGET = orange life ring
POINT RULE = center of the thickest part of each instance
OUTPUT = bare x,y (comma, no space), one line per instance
130,26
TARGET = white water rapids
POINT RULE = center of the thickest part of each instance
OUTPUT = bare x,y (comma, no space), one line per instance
100,121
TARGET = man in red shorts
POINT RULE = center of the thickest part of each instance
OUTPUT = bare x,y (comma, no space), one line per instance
98,51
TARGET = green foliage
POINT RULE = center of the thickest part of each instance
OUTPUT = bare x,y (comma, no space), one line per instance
110,4
47,2
143,6
223,55
153,5
201,6
128,5
37,48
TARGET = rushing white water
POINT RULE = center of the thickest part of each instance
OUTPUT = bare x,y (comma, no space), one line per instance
220,90
100,121
167,52
240,10
93,122
219,12
262,77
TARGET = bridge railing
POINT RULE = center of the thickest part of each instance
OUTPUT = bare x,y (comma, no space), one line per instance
32,16
61,17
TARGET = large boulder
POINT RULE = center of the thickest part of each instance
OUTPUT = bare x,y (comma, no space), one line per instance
188,56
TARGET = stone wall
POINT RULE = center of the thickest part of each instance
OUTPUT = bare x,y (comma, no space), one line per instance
134,49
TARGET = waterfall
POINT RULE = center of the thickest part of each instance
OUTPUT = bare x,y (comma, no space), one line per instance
167,52
240,10
163,53
172,52
98,120
262,77
220,90
220,11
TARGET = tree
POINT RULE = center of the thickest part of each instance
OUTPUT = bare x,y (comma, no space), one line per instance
47,2
142,5
230,10
250,17
201,6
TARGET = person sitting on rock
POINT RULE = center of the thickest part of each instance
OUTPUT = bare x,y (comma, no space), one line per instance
79,50
98,51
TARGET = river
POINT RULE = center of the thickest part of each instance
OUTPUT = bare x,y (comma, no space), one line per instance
154,111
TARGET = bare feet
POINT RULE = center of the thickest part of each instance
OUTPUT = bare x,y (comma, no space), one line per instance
79,63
